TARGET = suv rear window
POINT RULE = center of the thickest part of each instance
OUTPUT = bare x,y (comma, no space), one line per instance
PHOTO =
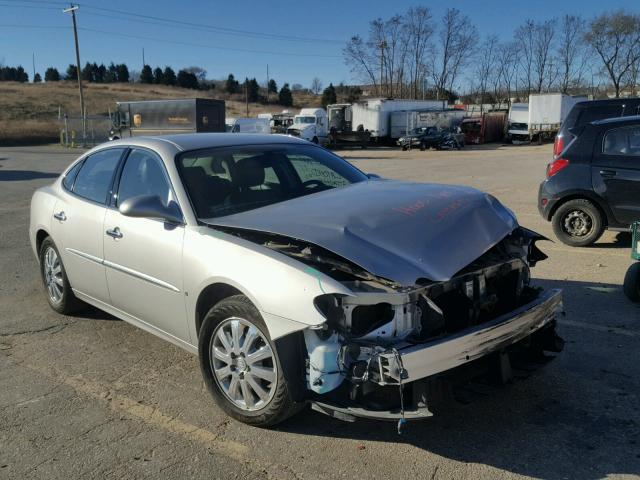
591,114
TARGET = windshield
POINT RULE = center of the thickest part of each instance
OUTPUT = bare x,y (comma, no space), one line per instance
301,119
227,180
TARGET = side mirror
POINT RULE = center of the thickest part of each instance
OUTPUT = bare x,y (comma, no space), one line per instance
373,176
150,206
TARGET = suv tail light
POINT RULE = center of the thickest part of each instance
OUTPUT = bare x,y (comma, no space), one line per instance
558,145
555,166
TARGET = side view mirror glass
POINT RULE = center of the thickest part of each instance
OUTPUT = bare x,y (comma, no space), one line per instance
150,206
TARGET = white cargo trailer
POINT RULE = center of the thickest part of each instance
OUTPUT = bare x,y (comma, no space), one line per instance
547,111
375,114
401,123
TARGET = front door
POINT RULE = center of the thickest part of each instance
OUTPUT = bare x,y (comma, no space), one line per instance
616,172
143,256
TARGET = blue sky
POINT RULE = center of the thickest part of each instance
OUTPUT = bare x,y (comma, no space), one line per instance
304,38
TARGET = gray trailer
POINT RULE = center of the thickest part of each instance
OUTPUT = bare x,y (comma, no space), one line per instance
404,122
341,131
161,117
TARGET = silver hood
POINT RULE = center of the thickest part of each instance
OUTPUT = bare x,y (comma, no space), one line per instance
397,230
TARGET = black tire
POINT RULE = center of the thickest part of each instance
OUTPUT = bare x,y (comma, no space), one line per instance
315,140
423,146
631,285
67,303
578,223
281,405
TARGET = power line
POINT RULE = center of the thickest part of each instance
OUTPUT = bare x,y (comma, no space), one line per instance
216,28
199,45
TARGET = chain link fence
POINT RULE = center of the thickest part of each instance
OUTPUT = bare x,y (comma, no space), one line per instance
97,128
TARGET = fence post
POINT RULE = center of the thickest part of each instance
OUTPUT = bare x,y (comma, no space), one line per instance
66,130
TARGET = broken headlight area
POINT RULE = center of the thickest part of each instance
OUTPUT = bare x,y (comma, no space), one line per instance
380,342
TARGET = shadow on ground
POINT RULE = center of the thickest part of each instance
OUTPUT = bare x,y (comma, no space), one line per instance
575,418
621,240
24,175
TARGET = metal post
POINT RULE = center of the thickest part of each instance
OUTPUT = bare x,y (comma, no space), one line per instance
267,83
72,9
246,94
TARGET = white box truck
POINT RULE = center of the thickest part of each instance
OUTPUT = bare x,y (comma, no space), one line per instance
248,125
518,123
547,111
374,115
311,124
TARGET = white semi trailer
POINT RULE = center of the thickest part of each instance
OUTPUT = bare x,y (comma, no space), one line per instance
374,115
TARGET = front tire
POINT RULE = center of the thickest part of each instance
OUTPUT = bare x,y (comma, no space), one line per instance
632,283
54,278
578,223
241,366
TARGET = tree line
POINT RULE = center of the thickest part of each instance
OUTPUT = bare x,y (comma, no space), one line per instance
416,55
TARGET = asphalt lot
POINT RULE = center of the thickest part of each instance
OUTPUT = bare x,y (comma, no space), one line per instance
93,397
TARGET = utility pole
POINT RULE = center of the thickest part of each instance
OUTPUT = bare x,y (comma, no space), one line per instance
33,63
246,93
143,62
382,46
267,83
72,9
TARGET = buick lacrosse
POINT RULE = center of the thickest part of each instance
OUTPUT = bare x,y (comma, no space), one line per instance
296,278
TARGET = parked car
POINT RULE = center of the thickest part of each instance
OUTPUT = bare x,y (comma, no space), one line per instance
294,276
594,183
431,137
586,112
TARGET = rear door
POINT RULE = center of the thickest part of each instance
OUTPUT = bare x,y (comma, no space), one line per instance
616,172
78,218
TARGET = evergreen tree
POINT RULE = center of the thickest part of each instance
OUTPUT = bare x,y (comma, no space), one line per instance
187,80
158,76
253,90
37,78
169,76
146,75
329,95
231,85
273,86
284,97
51,75
123,73
72,72
87,73
111,75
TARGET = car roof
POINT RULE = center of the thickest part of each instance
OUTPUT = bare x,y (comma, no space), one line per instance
608,101
196,141
617,120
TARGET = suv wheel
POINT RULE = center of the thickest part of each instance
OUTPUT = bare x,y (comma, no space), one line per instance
241,366
578,223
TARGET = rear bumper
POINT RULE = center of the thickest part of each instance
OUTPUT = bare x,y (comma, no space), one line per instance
424,360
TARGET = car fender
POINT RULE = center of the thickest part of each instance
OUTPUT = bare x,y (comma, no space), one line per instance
41,213
586,194
282,288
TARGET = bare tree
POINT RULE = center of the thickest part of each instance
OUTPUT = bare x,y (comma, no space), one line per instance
507,66
389,37
542,64
419,30
525,37
571,57
485,67
456,41
358,56
615,37
316,86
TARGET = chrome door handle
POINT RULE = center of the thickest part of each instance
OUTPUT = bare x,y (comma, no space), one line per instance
607,173
60,216
115,233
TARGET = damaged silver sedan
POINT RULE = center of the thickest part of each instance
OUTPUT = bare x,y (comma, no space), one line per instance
295,277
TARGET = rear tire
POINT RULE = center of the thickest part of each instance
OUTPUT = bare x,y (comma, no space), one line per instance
632,283
578,223
54,278
252,391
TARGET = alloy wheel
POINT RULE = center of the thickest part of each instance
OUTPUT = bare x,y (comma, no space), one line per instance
243,364
53,275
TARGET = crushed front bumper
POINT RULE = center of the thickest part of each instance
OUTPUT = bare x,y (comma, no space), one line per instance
418,363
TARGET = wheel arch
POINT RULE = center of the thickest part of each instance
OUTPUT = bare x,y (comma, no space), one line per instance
210,296
41,234
584,195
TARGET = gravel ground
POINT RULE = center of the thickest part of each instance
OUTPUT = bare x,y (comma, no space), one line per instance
93,397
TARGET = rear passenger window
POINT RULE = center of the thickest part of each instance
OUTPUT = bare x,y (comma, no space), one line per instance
622,141
70,177
95,176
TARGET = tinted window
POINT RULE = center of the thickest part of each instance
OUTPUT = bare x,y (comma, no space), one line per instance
95,176
70,177
223,181
143,174
622,141
591,114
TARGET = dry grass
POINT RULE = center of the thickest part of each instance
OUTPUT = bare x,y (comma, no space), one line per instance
29,112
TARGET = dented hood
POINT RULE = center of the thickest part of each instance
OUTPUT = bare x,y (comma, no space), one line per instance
397,230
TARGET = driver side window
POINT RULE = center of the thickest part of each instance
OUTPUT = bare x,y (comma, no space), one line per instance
143,174
309,169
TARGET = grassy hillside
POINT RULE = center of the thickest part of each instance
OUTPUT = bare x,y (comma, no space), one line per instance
29,112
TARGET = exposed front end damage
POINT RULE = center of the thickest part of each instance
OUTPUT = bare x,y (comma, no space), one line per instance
438,282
